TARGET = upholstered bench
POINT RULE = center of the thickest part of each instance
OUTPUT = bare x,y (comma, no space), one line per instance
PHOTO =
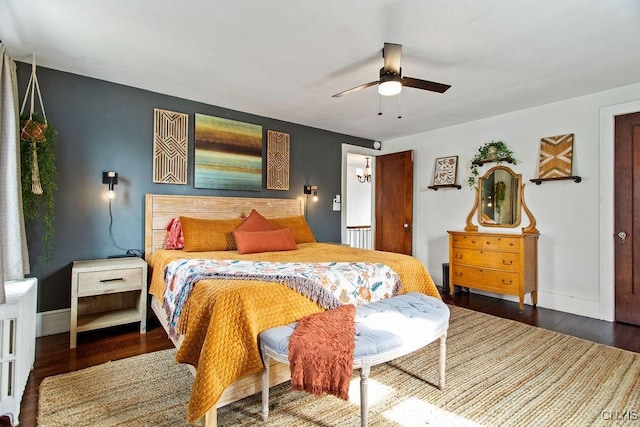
385,330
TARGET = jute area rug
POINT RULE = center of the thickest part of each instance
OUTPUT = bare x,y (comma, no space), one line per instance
499,373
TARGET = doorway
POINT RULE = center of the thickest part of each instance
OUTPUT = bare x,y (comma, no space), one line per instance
359,201
607,233
627,218
399,170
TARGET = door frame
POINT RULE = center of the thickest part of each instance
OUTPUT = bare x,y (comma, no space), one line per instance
371,152
607,250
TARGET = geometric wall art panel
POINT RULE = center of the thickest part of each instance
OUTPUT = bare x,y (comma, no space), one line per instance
228,154
170,146
278,155
556,156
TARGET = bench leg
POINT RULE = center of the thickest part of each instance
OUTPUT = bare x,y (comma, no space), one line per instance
364,394
265,387
443,357
210,419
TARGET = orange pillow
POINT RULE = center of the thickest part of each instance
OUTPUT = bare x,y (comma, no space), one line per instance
299,228
256,222
202,235
250,242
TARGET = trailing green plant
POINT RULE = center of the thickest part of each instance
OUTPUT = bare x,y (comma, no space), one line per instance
491,151
39,205
500,192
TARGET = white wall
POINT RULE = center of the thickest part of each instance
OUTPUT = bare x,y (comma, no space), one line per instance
569,215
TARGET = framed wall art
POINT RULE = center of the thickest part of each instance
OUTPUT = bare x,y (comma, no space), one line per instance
278,156
228,154
556,156
446,171
170,146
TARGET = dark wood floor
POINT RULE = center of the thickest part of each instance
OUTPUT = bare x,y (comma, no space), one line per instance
53,355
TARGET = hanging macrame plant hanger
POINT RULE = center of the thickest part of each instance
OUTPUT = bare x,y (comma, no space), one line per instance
33,130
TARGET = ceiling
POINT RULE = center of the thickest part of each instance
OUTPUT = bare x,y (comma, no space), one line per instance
285,58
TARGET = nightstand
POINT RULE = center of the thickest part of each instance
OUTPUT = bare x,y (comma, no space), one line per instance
108,292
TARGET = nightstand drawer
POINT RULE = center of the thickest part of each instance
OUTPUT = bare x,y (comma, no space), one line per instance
109,281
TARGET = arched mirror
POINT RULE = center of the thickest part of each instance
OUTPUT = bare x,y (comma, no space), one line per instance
499,198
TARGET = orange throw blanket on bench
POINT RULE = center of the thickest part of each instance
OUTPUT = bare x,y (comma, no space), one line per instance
321,352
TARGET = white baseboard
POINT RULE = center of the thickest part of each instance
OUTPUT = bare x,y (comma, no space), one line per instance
53,322
565,303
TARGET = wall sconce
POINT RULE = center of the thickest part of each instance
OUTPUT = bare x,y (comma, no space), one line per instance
110,178
311,189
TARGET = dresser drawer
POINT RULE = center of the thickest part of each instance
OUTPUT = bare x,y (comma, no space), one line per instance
109,281
507,244
462,241
504,282
498,260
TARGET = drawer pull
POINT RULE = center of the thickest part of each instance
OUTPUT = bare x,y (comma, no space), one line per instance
117,279
473,241
511,244
506,282
458,256
504,262
458,274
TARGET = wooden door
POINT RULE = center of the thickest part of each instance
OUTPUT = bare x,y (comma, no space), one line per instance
627,218
394,202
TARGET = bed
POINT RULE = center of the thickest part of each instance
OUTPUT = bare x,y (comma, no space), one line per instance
219,331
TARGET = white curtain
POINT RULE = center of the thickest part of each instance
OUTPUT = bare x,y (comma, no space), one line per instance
14,258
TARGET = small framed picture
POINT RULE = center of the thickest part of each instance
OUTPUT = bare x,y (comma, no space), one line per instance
446,170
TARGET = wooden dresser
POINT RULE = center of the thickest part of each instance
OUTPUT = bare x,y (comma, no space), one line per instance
495,262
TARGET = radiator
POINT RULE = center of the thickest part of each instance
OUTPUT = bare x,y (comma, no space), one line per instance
17,343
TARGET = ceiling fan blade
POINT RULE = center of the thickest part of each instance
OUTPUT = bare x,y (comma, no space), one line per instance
392,54
425,84
354,89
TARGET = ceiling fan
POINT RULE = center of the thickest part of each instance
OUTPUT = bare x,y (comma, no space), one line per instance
391,80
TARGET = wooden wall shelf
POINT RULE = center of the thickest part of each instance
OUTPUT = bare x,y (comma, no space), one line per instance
539,181
435,187
502,159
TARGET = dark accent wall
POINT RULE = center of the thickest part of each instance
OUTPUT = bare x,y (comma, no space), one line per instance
104,126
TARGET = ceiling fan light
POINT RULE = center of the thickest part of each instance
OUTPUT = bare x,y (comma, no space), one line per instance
389,87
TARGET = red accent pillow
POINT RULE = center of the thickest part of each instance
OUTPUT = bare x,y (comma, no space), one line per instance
175,239
250,242
256,222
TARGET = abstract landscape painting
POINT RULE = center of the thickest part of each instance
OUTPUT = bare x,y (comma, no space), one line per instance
228,154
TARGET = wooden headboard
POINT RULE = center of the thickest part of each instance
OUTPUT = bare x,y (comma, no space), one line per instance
160,208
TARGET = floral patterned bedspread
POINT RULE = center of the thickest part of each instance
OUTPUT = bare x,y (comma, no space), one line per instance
330,284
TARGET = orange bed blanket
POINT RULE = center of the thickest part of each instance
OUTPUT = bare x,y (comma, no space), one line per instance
226,316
